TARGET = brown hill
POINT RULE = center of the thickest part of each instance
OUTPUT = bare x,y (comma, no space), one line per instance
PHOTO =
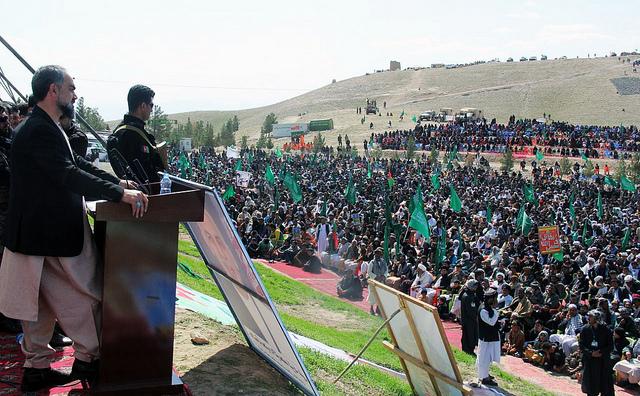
574,90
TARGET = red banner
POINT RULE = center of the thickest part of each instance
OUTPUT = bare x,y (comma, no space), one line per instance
549,238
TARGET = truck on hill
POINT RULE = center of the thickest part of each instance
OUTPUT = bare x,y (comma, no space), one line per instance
372,107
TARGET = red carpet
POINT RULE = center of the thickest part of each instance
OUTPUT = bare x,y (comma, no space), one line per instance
326,282
11,360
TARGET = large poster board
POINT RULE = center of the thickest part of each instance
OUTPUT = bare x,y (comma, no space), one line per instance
419,341
549,239
233,271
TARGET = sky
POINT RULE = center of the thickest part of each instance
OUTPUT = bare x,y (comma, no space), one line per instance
213,55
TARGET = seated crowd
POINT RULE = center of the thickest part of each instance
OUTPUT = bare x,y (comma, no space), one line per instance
553,138
543,299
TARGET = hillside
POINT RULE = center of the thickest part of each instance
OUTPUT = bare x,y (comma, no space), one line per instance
574,90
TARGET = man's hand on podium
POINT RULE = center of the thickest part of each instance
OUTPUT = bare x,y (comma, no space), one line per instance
138,201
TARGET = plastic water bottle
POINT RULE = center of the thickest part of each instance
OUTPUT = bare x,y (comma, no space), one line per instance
165,184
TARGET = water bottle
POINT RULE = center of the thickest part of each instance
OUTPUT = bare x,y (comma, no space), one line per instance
165,184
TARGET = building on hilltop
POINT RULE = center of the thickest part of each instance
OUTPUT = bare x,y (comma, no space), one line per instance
394,65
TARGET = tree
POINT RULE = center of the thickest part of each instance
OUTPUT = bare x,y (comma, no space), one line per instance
621,169
269,143
588,171
507,160
262,141
228,130
634,168
411,147
160,125
269,120
244,143
91,116
318,142
565,166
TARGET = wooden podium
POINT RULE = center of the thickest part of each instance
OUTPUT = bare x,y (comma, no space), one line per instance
139,296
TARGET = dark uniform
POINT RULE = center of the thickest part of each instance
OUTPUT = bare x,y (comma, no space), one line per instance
132,146
597,371
469,320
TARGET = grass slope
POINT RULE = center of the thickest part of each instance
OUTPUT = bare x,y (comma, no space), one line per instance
351,334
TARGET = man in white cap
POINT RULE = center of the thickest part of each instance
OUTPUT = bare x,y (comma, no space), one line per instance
423,279
572,326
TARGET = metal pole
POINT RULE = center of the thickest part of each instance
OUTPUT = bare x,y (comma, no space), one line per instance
12,86
32,70
367,345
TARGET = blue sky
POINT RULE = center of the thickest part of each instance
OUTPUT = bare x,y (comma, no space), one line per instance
206,55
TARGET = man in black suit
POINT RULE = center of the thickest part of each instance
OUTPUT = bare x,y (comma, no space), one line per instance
48,269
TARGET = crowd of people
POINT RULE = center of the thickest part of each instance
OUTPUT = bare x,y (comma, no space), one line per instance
553,138
352,214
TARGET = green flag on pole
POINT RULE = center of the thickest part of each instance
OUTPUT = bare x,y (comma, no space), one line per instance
416,200
229,192
350,192
323,211
369,174
599,204
435,181
441,250
269,176
385,245
627,184
529,194
419,222
294,188
278,152
454,202
414,119
559,256
489,215
572,210
520,216
584,157
238,166
625,239
539,155
609,181
587,241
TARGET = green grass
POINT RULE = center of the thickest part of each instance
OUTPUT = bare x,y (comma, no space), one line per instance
286,293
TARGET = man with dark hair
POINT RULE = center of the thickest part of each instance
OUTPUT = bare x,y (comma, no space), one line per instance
77,139
133,142
48,269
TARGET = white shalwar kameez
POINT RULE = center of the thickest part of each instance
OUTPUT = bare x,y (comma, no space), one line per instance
487,351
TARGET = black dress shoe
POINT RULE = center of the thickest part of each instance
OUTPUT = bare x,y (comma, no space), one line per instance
34,379
59,341
87,373
489,382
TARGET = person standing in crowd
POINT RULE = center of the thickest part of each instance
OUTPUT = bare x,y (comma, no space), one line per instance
77,139
489,338
48,269
133,141
596,343
378,271
469,316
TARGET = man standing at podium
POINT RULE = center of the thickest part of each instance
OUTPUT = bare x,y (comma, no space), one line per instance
48,269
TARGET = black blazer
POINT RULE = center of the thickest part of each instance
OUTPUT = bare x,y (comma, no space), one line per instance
46,213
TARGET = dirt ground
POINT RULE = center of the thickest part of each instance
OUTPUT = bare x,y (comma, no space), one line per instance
226,366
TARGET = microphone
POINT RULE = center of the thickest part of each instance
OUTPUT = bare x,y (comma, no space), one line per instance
122,162
141,170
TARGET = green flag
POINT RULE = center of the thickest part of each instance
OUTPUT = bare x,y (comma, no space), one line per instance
419,222
229,192
609,181
278,152
572,210
323,211
416,200
529,194
294,188
559,256
587,241
454,202
369,174
489,215
350,192
461,243
627,184
385,245
599,204
584,157
414,119
625,239
441,250
435,181
539,155
520,216
527,224
238,166
250,158
269,177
